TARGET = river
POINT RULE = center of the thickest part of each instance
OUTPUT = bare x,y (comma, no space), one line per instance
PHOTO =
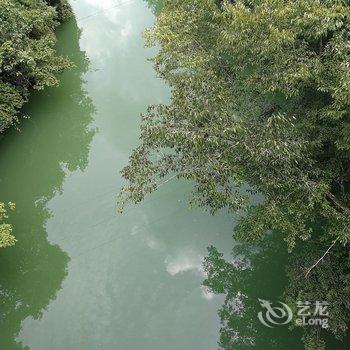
82,276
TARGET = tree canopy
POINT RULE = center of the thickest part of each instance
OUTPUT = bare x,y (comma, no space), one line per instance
6,237
27,61
260,98
27,54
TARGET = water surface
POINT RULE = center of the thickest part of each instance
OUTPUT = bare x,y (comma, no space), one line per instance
81,276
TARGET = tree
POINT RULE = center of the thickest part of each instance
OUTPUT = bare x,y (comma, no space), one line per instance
329,283
27,61
260,98
6,237
27,54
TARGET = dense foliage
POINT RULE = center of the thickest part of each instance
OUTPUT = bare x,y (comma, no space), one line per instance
27,55
260,98
6,237
31,275
27,61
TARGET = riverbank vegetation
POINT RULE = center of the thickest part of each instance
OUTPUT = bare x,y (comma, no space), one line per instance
260,97
27,54
6,237
28,61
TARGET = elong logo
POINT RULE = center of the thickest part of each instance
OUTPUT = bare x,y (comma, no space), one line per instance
274,315
282,315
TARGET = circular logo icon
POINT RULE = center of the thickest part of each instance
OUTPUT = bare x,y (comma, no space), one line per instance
274,315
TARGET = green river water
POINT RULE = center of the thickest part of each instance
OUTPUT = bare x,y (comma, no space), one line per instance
82,276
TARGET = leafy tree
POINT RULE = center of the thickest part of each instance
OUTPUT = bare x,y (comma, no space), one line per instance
6,237
260,98
27,55
253,266
329,283
237,279
27,61
31,274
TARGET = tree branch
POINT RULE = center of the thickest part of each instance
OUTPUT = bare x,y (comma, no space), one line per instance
337,201
321,258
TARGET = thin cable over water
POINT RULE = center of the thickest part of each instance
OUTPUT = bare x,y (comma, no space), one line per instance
104,10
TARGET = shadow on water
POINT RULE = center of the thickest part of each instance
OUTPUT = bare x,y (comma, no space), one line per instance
252,273
33,165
